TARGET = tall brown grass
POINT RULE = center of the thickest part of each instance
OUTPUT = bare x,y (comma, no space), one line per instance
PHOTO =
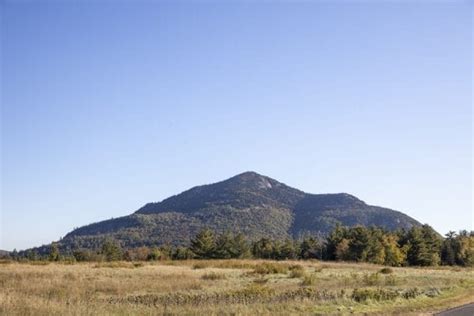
225,287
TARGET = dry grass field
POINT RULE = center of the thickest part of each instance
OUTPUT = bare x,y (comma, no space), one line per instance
229,287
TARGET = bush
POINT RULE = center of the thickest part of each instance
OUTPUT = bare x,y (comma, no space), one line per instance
297,271
364,295
386,270
154,254
271,268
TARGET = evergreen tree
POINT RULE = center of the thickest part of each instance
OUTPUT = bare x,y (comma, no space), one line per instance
204,244
310,248
111,250
333,240
183,253
225,247
423,246
287,250
263,248
359,244
54,252
32,255
449,249
241,247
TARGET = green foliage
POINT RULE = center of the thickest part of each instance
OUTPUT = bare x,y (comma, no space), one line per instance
264,248
458,249
251,204
364,295
424,246
54,252
111,250
204,244
310,249
229,246
420,246
154,254
183,253
364,245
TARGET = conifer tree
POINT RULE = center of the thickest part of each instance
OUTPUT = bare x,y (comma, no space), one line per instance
204,244
54,252
310,248
111,250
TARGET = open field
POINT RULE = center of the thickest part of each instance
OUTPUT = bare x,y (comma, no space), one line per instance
229,287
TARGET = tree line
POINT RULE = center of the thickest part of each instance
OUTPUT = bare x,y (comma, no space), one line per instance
419,246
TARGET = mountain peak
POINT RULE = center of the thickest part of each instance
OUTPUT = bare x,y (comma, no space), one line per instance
249,203
253,180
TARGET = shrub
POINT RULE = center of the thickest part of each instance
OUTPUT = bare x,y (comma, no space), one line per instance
297,271
154,254
363,295
411,293
270,268
386,270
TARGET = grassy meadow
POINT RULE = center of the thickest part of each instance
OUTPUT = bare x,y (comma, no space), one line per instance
228,287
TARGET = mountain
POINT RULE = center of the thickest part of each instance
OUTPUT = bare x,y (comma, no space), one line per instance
255,205
4,253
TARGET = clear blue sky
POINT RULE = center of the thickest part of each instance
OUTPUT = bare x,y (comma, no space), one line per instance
107,106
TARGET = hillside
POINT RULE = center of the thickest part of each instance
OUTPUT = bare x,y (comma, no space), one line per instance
255,205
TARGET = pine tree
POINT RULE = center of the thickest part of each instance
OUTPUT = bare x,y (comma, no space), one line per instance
310,248
359,244
241,247
204,244
263,249
54,252
333,240
449,249
287,250
424,246
111,250
225,248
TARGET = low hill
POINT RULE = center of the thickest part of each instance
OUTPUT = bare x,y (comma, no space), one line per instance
249,203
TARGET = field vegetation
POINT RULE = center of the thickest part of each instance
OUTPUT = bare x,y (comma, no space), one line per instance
210,287
419,246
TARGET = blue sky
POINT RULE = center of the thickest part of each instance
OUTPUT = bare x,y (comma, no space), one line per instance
107,106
